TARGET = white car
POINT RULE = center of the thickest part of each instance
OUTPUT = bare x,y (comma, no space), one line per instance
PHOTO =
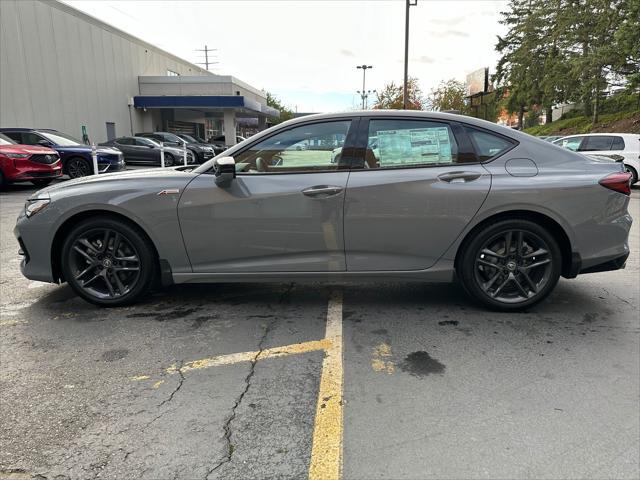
625,145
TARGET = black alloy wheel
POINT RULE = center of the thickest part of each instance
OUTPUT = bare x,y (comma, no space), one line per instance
168,160
108,262
78,167
511,265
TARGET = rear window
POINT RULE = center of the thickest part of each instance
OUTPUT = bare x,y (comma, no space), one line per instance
488,145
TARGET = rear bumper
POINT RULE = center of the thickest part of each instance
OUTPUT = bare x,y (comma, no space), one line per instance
616,263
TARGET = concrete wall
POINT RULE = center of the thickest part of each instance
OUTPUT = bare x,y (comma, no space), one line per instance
62,69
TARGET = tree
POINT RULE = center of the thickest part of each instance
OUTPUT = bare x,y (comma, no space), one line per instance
390,97
285,112
449,95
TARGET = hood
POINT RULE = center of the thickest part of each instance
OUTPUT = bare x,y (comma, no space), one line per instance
106,180
30,149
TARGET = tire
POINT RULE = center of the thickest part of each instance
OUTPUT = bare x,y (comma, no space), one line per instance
77,167
168,160
3,183
112,273
515,280
42,183
634,174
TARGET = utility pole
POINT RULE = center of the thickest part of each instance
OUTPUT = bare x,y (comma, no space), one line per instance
206,62
364,68
405,90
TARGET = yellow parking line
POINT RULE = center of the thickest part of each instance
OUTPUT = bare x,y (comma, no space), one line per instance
380,359
250,356
326,452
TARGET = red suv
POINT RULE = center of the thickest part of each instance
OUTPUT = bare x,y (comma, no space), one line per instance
27,163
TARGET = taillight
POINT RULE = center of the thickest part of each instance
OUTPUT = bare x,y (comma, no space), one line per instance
620,182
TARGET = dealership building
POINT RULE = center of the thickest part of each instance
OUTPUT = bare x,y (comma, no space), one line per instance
63,69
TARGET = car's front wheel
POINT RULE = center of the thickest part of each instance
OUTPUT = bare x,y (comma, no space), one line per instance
108,262
510,265
168,160
78,167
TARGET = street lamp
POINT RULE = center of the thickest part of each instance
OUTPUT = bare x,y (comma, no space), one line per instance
364,95
405,93
364,75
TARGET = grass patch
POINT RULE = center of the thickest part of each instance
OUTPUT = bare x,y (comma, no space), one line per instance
570,126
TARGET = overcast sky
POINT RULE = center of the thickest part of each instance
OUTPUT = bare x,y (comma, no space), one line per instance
306,52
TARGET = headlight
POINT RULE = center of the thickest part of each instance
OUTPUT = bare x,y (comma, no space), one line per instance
34,205
17,155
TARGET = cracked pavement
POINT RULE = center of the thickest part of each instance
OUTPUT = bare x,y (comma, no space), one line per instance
434,387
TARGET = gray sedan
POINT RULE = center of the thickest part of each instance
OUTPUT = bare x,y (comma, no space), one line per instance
146,151
442,197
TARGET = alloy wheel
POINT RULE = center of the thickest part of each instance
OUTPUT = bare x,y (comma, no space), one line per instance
77,167
513,266
105,264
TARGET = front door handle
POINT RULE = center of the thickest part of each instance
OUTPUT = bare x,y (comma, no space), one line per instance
322,191
459,177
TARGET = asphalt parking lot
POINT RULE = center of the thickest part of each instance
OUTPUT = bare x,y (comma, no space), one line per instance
386,380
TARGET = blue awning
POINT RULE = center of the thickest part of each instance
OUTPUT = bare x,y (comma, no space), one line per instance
203,101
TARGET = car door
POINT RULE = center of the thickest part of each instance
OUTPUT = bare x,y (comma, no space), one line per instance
125,145
282,213
147,151
415,188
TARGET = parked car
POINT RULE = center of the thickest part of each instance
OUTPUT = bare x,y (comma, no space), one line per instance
75,156
550,138
194,140
27,163
626,145
146,151
447,197
201,152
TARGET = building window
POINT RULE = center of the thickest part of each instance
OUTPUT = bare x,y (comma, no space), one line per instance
171,73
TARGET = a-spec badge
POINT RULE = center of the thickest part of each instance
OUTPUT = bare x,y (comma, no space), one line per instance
169,191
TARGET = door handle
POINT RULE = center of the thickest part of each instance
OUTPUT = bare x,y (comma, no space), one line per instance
322,191
459,177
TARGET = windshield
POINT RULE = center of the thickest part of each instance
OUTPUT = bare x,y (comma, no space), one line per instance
4,140
188,138
61,139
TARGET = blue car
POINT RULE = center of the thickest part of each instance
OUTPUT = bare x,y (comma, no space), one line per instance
75,156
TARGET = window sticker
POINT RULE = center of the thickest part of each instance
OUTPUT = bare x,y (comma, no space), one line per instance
414,146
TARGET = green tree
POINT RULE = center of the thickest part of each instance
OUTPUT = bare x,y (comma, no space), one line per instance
448,95
391,96
285,112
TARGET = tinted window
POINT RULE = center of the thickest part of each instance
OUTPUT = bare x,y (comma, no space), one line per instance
488,145
29,138
409,143
314,147
618,143
15,136
125,141
596,143
145,142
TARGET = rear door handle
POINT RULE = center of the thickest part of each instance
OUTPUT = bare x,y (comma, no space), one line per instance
459,177
322,191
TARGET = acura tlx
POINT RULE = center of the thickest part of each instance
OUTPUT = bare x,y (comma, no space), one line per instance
358,196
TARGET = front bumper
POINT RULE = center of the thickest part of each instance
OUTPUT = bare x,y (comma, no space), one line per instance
34,249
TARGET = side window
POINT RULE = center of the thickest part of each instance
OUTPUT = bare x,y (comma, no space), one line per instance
571,143
308,148
618,143
141,142
596,143
15,136
29,138
125,141
488,145
402,143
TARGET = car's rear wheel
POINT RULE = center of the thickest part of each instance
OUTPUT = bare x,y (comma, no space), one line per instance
42,183
108,262
3,182
634,174
510,265
78,167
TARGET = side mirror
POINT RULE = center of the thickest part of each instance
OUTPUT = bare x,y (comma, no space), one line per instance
225,171
44,143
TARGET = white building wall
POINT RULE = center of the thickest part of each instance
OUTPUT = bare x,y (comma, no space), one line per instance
61,69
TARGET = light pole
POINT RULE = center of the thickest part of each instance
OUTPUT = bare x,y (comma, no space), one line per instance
364,75
365,95
405,93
